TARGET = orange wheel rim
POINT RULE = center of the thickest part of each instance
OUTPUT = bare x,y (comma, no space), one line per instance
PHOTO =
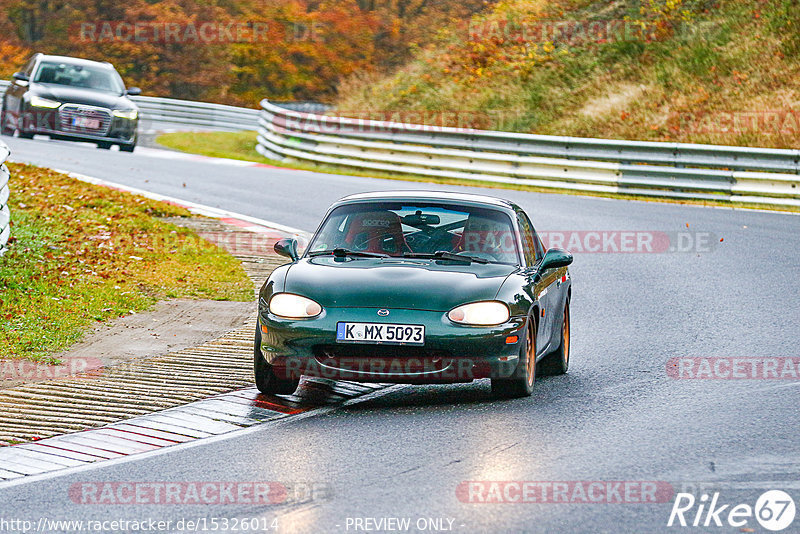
531,355
565,333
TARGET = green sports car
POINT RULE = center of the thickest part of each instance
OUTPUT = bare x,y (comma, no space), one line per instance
416,287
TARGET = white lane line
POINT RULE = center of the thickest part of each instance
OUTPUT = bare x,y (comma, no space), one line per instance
199,209
179,447
185,156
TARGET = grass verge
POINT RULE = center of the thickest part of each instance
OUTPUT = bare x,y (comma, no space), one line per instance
231,145
82,254
241,146
724,72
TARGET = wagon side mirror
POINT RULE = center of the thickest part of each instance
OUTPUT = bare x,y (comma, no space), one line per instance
20,77
287,247
555,258
134,91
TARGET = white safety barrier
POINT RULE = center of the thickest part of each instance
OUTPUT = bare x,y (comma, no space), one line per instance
673,170
163,113
5,214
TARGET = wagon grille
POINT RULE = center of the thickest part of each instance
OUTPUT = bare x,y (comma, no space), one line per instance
69,112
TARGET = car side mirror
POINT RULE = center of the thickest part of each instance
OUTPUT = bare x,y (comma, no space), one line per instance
287,247
555,258
21,77
134,91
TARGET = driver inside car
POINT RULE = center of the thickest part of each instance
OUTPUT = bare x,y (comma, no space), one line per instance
490,236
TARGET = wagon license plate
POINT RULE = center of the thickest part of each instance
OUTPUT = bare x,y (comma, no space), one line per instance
86,122
412,334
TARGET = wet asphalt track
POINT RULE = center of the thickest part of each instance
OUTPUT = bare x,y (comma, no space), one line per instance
617,415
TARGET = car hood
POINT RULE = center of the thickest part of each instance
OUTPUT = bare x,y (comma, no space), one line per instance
395,282
75,95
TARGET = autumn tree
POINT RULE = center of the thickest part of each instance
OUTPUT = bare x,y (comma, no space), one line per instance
303,49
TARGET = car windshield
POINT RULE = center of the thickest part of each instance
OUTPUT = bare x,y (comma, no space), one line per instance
86,77
419,229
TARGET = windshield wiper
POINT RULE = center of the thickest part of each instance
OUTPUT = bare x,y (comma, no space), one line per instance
343,253
444,255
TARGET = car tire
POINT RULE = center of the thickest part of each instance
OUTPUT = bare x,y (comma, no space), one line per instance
521,383
131,146
5,129
21,132
266,381
104,145
557,362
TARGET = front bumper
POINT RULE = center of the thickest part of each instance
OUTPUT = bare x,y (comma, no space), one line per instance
49,122
451,353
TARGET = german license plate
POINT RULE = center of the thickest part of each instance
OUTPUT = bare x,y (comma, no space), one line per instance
412,334
86,122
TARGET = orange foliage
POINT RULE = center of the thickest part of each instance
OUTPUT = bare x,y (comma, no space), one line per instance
295,49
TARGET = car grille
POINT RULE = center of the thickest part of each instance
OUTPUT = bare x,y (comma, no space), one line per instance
68,112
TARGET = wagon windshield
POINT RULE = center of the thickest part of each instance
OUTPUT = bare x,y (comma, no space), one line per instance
85,77
415,229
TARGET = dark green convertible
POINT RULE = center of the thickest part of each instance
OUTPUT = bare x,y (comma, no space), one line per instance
416,287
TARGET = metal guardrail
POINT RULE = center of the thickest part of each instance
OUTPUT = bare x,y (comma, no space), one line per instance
5,214
673,170
166,113
161,113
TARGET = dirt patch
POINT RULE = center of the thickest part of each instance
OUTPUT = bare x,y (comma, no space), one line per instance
171,326
615,100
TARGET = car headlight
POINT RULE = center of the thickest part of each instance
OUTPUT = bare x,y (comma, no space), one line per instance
126,113
39,102
293,306
486,313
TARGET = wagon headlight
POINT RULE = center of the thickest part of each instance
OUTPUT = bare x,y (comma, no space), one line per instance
126,113
39,102
486,313
293,306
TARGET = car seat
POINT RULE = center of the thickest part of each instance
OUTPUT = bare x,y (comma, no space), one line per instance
377,231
